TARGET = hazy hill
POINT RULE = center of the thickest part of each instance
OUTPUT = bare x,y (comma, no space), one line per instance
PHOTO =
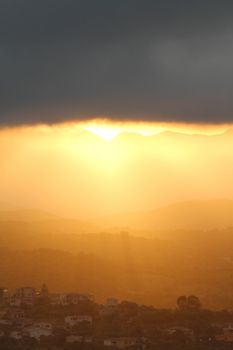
25,215
15,219
5,206
148,271
189,215
184,215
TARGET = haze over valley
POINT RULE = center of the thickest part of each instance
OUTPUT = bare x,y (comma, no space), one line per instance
148,257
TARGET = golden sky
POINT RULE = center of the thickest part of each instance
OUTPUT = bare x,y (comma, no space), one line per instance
96,168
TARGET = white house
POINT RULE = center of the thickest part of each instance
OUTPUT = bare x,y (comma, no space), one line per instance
74,339
45,325
38,330
69,298
120,342
187,332
17,335
78,339
75,320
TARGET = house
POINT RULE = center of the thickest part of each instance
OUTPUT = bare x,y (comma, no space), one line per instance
78,339
16,314
16,334
15,301
55,299
75,298
74,339
121,342
75,320
110,307
63,299
226,336
86,297
85,318
45,325
69,298
38,330
187,332
25,295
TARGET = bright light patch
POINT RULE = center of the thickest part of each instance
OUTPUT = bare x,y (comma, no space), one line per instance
108,130
104,131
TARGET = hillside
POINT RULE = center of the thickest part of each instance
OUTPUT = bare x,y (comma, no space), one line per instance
26,215
190,215
169,262
148,271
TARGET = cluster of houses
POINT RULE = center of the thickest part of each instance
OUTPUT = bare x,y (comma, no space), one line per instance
13,317
16,323
226,335
29,295
12,313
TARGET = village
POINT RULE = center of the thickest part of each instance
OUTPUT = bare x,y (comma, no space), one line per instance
31,319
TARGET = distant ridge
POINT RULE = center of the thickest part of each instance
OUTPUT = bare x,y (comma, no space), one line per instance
5,206
25,215
195,214
39,221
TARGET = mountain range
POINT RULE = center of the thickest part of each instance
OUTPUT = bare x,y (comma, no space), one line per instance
188,215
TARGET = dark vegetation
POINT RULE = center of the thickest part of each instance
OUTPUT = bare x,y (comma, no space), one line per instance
147,324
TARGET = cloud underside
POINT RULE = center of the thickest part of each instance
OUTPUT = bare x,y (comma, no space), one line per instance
121,59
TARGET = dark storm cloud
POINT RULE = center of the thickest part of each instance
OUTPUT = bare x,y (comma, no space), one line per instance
125,59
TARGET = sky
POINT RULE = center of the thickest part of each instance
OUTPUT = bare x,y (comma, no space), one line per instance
86,86
138,60
72,172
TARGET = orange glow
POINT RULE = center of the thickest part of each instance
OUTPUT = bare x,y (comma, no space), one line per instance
98,167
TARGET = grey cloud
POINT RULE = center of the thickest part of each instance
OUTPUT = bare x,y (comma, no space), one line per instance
126,59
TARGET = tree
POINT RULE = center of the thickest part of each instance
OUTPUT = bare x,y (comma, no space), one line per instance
189,303
193,303
182,302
